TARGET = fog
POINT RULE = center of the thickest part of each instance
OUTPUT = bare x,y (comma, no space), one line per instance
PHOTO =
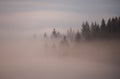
86,44
39,58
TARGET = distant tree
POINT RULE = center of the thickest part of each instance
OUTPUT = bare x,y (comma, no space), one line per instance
116,27
95,30
54,33
103,30
109,26
85,30
77,36
64,42
103,26
113,25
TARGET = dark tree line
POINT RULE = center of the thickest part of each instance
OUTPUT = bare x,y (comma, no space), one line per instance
109,29
106,29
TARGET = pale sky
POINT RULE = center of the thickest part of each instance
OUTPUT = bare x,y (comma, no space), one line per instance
27,17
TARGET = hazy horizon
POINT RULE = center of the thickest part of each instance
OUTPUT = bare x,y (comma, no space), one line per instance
21,18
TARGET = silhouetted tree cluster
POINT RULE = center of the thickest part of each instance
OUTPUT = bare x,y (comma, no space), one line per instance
107,29
55,34
113,26
95,30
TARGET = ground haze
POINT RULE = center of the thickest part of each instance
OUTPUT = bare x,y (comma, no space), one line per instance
49,59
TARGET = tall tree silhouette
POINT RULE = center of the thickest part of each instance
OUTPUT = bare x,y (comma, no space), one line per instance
109,26
85,30
103,26
54,33
95,30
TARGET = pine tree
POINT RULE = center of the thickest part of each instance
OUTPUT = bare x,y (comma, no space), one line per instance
85,30
95,29
103,26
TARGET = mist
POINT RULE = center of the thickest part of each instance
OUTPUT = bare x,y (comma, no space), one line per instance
50,59
59,39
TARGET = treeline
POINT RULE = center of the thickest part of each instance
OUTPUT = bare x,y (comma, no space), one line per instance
109,29
106,29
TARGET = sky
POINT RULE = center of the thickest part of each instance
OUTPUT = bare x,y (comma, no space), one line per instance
21,18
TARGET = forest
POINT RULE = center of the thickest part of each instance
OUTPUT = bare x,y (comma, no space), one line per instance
109,29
